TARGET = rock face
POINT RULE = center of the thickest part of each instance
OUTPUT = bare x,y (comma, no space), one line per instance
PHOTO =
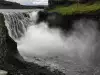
3,32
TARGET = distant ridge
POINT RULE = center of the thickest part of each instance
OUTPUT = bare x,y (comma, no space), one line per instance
13,5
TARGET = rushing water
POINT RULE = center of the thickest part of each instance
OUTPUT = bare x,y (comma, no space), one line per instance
38,40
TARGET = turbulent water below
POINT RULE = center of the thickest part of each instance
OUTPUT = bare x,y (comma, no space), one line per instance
50,47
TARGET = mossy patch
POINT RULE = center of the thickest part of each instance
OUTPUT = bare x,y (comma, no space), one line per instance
76,8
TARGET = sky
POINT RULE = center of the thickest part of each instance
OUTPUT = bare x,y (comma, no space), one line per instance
31,2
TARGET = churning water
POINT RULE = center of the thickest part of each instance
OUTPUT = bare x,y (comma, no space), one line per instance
38,40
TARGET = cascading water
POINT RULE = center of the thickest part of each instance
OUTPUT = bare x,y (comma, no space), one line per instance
16,24
50,44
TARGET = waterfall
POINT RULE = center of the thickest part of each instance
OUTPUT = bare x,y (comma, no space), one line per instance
16,23
80,46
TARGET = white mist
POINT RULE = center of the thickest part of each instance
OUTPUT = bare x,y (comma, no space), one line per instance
41,41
